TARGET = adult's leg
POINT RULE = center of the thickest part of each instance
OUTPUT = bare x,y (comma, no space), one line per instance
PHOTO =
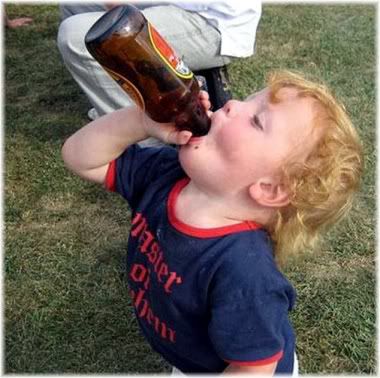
192,37
71,9
102,91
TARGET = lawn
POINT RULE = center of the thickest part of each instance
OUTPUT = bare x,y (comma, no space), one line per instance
66,306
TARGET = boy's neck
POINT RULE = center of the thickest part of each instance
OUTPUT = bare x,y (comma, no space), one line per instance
200,208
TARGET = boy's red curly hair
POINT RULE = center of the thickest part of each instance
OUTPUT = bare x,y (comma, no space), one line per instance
322,187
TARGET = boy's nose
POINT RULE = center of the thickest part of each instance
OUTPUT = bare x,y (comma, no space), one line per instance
230,107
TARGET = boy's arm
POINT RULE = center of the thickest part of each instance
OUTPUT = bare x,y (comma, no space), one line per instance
251,370
90,150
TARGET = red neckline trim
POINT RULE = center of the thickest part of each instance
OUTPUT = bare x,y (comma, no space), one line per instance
201,232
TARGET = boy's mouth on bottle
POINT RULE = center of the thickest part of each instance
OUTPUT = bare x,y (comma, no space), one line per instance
196,140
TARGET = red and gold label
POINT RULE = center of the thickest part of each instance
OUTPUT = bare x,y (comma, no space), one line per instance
168,55
128,87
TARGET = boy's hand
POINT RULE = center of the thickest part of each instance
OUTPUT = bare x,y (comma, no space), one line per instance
166,132
204,99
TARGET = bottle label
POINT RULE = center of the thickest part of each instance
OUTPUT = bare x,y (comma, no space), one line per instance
168,55
128,87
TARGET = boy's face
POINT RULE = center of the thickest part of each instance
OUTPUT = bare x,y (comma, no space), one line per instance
249,140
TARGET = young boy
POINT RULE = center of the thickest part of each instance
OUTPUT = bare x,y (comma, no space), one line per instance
209,220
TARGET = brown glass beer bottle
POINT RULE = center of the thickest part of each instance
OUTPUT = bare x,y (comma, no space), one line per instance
129,48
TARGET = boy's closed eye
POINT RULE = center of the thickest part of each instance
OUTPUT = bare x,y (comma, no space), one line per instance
255,121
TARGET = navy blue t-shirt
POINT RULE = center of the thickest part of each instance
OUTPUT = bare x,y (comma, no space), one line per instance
203,298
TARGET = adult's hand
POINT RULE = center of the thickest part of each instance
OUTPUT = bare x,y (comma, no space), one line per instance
18,22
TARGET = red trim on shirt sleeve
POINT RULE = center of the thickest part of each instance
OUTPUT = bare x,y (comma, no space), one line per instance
265,361
110,180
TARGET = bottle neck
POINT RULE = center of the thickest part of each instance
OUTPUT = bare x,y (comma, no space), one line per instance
194,118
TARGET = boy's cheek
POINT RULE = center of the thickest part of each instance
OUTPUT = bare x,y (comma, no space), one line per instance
232,141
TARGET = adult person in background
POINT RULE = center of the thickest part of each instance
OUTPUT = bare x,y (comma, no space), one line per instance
204,35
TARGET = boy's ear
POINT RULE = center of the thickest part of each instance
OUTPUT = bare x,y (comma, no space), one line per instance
269,193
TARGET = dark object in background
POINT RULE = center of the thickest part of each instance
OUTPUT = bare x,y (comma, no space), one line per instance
217,85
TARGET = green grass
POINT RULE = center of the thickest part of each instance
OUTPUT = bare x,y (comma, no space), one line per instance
66,307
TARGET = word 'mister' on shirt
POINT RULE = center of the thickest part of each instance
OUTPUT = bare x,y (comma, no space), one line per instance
149,246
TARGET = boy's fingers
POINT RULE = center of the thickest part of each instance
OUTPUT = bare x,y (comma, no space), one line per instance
202,81
178,137
185,136
204,99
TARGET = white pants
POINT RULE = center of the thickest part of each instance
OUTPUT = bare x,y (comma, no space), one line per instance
175,371
191,36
